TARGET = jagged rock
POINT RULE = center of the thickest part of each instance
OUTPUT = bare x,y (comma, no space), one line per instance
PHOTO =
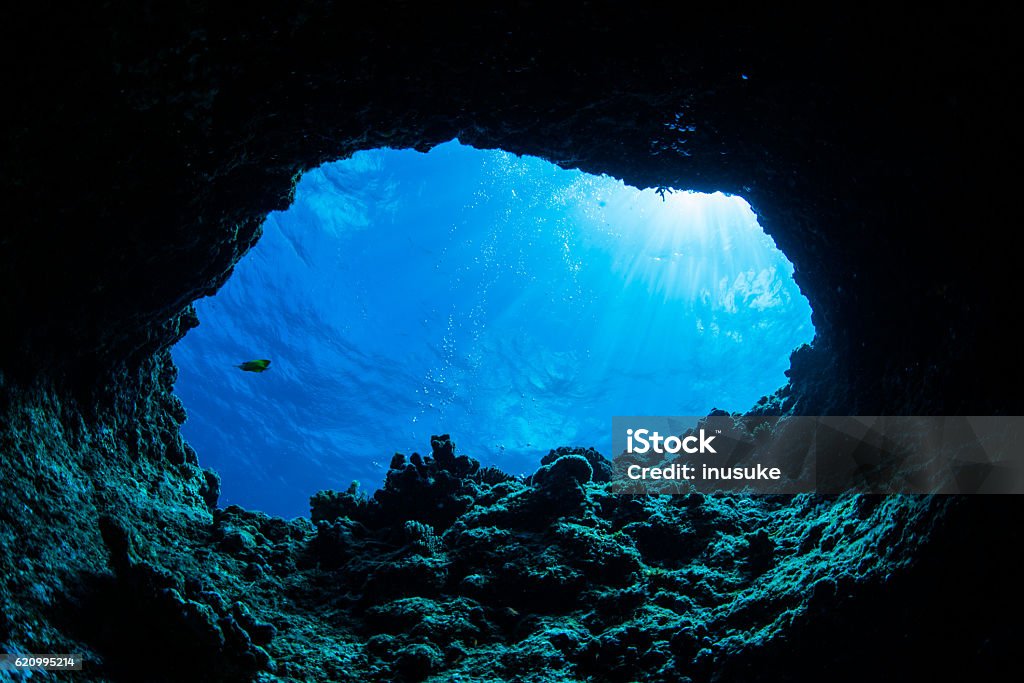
210,490
434,490
416,662
564,473
600,466
872,175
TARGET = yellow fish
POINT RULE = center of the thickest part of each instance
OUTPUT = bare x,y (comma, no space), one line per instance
255,365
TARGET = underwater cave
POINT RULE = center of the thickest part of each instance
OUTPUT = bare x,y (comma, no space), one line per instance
513,304
147,151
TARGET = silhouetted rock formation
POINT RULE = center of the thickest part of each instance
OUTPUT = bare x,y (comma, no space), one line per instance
146,144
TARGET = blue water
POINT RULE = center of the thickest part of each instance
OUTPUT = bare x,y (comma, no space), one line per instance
513,304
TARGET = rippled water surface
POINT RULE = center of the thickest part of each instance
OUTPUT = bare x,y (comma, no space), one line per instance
513,304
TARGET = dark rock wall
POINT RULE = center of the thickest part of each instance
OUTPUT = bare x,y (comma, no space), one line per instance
146,142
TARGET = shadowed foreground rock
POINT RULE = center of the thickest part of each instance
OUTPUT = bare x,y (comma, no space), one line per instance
446,573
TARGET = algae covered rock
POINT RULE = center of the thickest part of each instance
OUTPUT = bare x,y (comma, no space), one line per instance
600,466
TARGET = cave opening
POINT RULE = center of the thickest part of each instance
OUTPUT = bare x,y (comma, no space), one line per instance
511,303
